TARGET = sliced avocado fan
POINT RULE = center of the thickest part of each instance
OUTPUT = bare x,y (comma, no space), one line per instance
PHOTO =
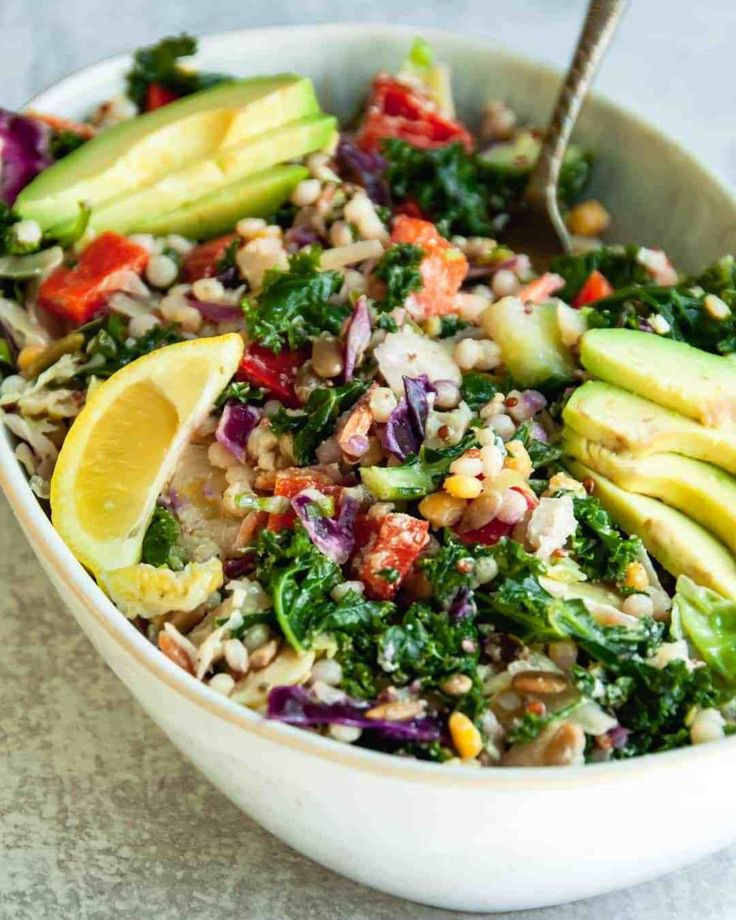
679,544
700,490
673,374
623,422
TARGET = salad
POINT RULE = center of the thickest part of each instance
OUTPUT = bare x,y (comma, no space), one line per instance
345,457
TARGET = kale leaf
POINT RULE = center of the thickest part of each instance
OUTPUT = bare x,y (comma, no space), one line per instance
160,543
160,64
239,391
398,268
601,550
477,389
453,567
619,264
110,348
294,305
64,142
541,453
316,421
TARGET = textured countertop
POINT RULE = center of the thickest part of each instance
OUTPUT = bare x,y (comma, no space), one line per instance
100,817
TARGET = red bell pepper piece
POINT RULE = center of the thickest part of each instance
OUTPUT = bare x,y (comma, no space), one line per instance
596,287
489,534
77,293
276,373
158,95
397,110
443,267
291,482
201,262
393,552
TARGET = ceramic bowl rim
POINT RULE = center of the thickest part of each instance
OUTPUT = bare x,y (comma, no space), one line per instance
55,554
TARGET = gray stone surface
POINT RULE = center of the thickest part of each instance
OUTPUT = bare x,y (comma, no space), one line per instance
100,817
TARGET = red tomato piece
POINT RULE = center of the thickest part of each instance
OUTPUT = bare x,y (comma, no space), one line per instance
394,551
291,482
541,289
443,267
201,262
494,530
276,373
596,287
397,110
158,95
77,293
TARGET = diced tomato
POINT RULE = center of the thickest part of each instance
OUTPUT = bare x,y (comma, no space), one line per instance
291,482
276,373
596,287
201,262
541,288
443,267
158,95
394,551
397,110
365,530
492,532
77,293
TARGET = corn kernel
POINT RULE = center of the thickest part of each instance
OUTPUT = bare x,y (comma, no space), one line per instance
463,486
636,577
441,509
518,459
465,736
28,355
716,308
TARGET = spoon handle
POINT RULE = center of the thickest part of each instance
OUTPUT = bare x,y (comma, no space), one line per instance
600,23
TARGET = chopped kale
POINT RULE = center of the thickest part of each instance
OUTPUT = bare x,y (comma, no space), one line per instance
601,550
398,268
9,245
619,264
532,724
450,325
239,391
543,454
478,389
294,305
453,567
160,64
316,421
65,142
160,543
109,348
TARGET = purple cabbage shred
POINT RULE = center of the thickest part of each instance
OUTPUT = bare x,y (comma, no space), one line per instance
363,168
235,427
463,605
331,535
24,152
404,431
296,706
358,336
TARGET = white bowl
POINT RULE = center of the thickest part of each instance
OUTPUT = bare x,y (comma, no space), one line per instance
452,837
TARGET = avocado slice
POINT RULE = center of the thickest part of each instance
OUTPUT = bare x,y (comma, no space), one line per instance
698,489
177,190
530,342
258,195
673,374
622,422
681,545
138,151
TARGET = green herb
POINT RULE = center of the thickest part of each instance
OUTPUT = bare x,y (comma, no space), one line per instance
530,725
294,305
477,389
601,550
316,421
450,325
110,348
9,244
65,142
160,543
399,269
239,391
160,64
389,575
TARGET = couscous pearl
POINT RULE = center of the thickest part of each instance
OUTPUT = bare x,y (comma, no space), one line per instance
27,232
208,289
491,460
467,466
179,244
222,683
466,353
382,403
306,193
513,507
707,726
504,283
161,271
326,670
345,733
503,426
638,605
447,394
250,227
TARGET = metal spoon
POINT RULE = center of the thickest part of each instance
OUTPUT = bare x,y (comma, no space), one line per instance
537,227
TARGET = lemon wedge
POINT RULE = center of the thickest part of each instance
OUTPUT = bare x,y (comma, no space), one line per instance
124,445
